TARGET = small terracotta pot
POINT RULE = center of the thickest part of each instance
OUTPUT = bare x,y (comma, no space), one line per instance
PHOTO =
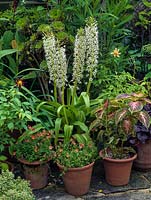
117,171
36,173
77,180
143,161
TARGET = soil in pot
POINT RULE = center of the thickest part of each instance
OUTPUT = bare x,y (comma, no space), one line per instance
143,161
117,171
77,180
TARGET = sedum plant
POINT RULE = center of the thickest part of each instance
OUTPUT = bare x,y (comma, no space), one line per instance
14,189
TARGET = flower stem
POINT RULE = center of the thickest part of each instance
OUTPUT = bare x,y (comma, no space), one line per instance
89,83
55,90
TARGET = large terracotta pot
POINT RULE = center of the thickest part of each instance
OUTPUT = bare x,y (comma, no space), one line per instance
77,180
117,171
143,161
36,173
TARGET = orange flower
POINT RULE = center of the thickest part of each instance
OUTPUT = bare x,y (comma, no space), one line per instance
50,147
36,149
60,150
19,83
116,52
67,155
81,145
76,150
33,137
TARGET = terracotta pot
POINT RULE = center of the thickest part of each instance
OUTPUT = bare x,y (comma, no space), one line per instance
36,173
117,171
77,180
143,161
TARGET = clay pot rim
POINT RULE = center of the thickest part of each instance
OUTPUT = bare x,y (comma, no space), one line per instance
26,162
75,168
118,160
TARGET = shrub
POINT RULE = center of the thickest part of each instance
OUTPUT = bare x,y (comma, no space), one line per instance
14,189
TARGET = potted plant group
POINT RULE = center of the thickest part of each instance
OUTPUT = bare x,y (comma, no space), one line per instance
34,149
116,120
76,160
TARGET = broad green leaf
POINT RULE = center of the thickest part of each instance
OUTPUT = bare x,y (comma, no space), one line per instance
82,126
85,98
82,138
57,129
59,109
7,52
146,3
4,166
67,133
3,158
10,126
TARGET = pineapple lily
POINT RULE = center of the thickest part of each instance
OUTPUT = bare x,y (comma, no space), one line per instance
73,111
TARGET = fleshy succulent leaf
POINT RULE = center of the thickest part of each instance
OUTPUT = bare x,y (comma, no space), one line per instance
144,118
119,115
135,106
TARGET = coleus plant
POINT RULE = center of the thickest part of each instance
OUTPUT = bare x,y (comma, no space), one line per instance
116,119
142,133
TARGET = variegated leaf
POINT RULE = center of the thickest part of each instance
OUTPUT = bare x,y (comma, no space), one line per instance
144,118
139,95
119,115
123,96
135,106
127,125
147,100
106,104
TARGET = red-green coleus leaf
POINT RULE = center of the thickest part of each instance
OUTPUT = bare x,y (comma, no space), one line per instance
135,106
119,115
147,100
139,95
144,118
127,125
123,96
106,104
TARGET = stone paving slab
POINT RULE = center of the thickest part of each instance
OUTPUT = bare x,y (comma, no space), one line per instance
139,188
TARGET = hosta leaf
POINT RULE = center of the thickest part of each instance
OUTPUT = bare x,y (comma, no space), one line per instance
119,115
135,106
144,118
